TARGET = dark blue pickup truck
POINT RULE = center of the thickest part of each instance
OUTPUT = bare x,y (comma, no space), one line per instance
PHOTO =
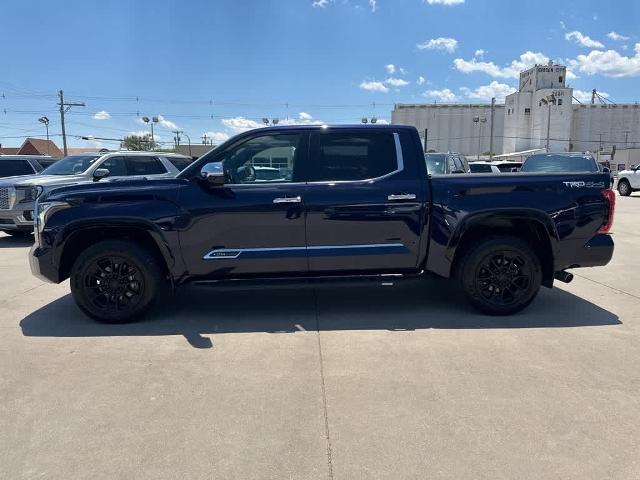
348,203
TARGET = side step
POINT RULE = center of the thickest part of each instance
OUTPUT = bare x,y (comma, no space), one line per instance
383,280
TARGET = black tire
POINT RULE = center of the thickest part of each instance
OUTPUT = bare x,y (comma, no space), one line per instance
499,275
19,233
116,281
624,187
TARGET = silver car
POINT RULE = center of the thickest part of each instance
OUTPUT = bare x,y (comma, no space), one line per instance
18,194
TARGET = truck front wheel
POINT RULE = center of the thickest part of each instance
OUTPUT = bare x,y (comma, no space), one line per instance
116,281
500,275
624,187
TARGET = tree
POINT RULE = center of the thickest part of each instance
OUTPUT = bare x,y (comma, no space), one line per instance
139,142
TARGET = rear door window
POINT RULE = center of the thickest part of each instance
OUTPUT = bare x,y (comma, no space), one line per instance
352,156
140,165
9,168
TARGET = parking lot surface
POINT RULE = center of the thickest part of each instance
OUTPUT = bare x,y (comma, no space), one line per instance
389,382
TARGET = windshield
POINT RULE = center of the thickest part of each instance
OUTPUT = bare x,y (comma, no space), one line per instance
435,163
559,163
73,165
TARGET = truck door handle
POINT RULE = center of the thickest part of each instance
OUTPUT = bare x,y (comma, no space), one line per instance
297,199
401,196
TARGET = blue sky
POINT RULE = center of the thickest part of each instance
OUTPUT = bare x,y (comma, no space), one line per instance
220,66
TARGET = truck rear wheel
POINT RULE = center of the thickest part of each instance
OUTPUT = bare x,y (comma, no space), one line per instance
116,281
500,275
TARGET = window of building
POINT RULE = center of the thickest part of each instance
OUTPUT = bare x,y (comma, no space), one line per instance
560,78
559,101
527,111
347,156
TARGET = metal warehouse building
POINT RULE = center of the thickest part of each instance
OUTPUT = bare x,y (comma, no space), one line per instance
541,114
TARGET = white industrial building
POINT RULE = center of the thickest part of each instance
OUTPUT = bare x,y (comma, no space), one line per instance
542,110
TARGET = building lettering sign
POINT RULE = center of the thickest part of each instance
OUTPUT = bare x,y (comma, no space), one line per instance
550,69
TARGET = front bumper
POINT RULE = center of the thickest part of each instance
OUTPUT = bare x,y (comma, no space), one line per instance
43,265
16,219
594,253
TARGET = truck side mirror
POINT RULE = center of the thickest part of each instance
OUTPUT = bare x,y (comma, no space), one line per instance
606,170
100,173
213,174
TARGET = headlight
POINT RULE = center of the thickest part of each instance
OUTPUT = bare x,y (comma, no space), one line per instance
28,193
42,213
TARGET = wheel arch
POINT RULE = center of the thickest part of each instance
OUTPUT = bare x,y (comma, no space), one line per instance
533,226
80,237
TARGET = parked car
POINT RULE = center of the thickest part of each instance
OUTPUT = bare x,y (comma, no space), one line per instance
268,174
13,165
446,163
17,194
495,167
629,180
359,207
561,162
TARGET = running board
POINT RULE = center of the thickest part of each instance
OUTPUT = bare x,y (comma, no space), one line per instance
383,280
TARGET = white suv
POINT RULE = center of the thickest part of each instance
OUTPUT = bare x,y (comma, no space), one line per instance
629,180
18,194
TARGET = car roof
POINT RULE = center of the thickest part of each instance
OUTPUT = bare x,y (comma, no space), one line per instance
25,157
562,154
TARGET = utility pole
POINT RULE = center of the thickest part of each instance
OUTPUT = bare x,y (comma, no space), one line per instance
593,96
64,108
493,111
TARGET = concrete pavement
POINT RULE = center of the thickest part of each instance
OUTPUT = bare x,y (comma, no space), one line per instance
402,382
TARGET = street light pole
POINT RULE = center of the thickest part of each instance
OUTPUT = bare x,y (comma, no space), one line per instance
45,120
189,140
479,121
549,100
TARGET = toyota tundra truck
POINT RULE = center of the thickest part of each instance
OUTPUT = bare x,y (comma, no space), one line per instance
350,204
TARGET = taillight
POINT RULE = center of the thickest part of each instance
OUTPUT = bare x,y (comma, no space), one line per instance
610,196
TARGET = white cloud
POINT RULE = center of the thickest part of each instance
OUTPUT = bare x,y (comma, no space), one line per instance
445,2
444,95
403,71
617,37
240,124
396,82
391,68
102,115
320,3
167,123
486,92
608,63
216,137
304,118
562,25
440,43
374,86
374,5
582,40
420,80
480,53
585,97
526,60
